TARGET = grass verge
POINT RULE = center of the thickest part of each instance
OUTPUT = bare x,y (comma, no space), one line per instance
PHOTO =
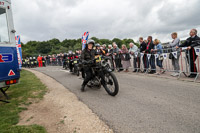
29,89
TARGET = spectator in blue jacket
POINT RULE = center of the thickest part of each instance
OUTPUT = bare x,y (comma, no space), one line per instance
158,50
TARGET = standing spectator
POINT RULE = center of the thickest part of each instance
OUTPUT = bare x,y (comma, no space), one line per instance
117,57
48,60
143,47
54,60
51,60
125,58
105,49
190,43
159,50
59,59
175,61
109,50
150,48
136,61
110,55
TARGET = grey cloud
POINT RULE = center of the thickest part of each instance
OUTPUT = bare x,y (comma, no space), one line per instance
186,14
42,20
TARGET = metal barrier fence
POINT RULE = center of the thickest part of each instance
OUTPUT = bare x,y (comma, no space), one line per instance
186,61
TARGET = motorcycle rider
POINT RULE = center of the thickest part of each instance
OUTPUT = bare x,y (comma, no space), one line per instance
77,53
59,59
99,51
64,60
87,57
43,61
28,61
23,62
31,62
88,54
48,60
35,62
71,57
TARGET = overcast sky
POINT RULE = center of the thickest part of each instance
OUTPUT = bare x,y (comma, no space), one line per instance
46,19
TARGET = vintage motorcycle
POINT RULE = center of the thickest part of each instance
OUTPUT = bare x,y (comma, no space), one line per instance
76,68
100,67
66,64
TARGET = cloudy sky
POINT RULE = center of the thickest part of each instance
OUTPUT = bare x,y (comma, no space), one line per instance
46,19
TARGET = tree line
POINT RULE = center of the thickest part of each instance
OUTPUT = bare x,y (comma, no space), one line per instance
55,46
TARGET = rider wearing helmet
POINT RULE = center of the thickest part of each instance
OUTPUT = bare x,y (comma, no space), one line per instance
64,60
99,50
87,54
71,57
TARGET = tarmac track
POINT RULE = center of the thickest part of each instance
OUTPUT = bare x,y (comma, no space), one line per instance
143,105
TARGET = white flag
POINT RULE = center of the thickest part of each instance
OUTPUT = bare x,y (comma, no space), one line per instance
136,54
165,55
142,54
197,50
175,54
148,56
156,56
184,48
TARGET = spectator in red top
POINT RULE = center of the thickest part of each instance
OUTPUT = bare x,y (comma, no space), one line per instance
149,50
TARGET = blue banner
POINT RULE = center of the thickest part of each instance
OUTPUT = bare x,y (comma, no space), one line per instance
19,51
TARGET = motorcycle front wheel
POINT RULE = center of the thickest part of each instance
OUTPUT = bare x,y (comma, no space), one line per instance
111,86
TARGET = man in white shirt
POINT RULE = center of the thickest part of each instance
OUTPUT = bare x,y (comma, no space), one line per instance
136,60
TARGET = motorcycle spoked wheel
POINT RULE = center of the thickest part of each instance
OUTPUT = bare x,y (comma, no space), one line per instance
112,86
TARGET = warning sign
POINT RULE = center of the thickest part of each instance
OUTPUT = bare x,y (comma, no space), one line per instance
11,73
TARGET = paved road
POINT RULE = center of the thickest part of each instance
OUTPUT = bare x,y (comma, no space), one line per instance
144,104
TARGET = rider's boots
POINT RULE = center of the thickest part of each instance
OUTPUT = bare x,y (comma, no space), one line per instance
82,88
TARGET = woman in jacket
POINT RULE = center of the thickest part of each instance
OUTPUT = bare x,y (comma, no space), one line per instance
175,61
125,57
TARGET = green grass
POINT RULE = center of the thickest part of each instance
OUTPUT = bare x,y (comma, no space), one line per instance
29,89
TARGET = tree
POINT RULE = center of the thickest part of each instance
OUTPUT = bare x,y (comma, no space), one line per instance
127,41
55,46
105,41
78,46
95,39
44,47
118,42
54,41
